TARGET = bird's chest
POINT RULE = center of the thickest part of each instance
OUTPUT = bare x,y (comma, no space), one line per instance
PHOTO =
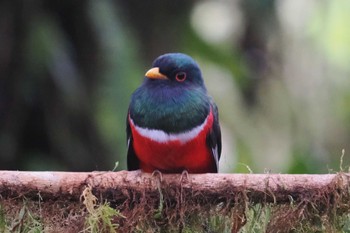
172,153
169,110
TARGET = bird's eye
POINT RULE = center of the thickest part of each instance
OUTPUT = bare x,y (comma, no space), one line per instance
181,76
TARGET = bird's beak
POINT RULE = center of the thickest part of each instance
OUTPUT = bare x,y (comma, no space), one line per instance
154,73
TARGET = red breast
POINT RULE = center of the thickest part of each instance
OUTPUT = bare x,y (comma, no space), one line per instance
174,155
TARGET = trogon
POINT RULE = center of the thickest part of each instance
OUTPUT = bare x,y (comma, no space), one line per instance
172,122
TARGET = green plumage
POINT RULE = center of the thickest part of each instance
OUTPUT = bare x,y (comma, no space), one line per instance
171,112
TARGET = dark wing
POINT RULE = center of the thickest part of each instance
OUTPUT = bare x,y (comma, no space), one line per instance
214,136
133,162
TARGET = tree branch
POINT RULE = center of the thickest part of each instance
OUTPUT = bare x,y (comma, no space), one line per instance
211,188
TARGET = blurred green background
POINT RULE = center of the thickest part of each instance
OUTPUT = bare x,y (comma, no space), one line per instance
278,70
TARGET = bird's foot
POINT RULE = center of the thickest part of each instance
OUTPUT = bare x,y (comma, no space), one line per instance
158,173
184,176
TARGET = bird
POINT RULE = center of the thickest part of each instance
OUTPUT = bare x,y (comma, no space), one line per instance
172,121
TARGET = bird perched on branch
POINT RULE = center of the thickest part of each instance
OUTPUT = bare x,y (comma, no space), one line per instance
172,123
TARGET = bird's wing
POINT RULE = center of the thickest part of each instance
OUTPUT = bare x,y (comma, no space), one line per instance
133,162
214,136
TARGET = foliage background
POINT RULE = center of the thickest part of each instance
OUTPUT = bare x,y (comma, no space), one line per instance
278,70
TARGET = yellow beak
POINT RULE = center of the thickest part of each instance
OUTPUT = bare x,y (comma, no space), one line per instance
155,74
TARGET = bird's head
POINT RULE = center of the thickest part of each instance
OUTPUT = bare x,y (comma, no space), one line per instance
175,69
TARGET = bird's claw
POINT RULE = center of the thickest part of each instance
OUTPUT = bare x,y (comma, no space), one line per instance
185,175
159,174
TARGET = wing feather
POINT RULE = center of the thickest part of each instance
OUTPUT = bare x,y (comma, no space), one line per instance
133,162
214,136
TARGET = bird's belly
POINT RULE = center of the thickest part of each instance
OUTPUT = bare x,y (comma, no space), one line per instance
169,153
174,156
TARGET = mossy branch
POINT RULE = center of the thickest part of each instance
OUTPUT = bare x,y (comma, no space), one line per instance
176,202
123,186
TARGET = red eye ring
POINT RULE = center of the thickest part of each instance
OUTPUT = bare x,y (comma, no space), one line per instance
181,76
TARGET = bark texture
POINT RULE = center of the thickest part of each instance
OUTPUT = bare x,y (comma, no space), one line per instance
118,186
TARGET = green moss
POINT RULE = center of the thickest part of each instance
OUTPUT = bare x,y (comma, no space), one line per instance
101,219
24,222
2,219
